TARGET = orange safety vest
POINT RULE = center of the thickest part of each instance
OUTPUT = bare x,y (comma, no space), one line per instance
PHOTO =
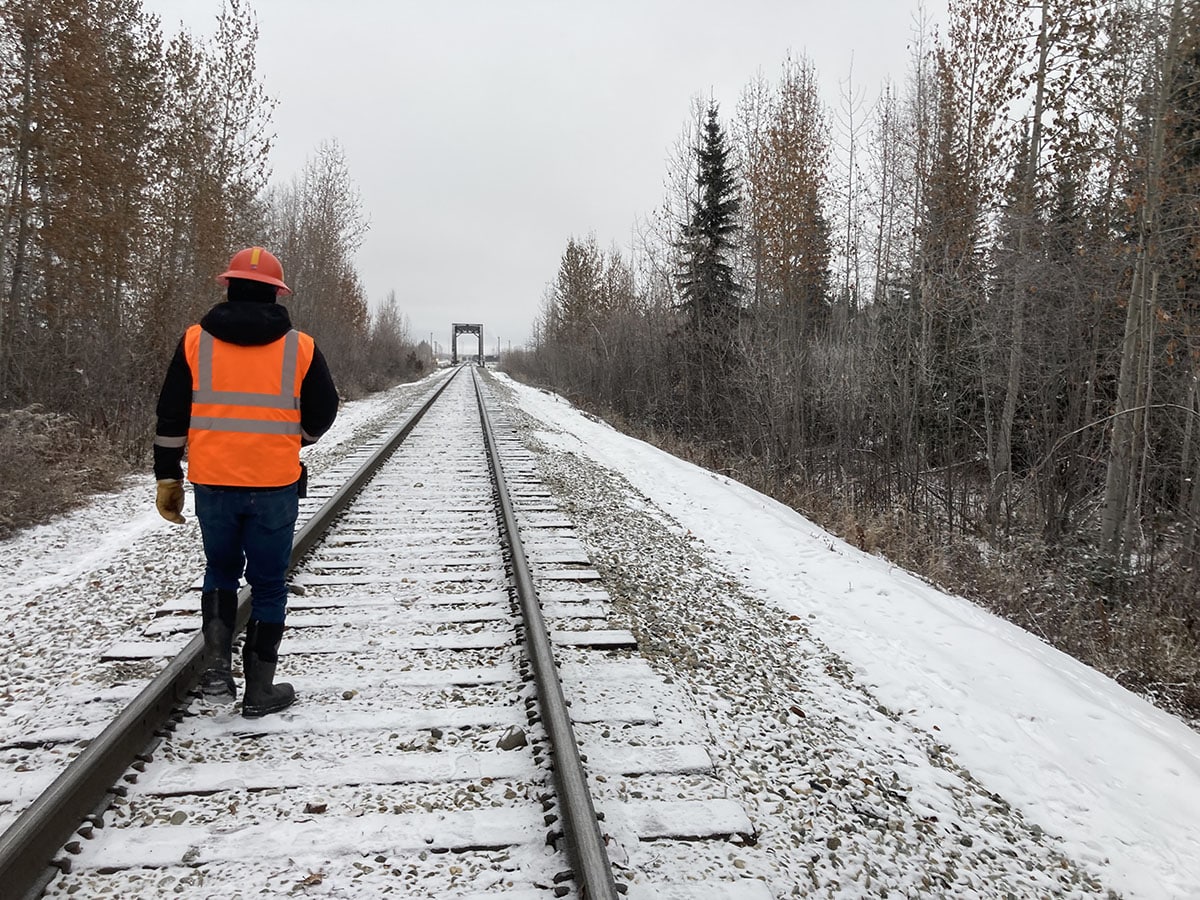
245,427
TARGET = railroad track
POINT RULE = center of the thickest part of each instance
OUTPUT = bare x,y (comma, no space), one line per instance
470,722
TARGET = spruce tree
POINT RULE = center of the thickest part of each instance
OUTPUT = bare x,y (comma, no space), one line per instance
706,282
710,294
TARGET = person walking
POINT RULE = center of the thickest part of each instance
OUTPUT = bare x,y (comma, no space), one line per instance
242,394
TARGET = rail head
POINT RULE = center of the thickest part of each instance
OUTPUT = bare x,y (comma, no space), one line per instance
581,829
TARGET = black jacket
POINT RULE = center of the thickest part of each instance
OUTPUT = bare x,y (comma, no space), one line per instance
248,323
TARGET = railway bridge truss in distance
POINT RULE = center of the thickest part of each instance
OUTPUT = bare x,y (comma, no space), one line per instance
465,328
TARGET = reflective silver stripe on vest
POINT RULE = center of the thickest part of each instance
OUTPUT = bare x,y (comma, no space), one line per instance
285,399
244,426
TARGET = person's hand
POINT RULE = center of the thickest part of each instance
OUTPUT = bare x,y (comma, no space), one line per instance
170,500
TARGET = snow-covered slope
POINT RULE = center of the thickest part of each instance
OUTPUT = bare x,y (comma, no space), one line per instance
1082,757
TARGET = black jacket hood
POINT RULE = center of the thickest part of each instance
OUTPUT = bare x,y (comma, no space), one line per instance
248,324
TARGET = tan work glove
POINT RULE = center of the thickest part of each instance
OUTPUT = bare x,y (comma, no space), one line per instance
170,500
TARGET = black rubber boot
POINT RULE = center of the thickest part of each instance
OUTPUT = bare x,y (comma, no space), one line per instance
259,656
218,612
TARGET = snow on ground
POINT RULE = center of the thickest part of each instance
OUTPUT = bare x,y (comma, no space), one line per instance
1083,758
882,734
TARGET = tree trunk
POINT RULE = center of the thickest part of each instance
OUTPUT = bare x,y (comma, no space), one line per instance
1119,512
1002,483
19,280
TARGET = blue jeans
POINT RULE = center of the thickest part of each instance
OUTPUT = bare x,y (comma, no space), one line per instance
249,531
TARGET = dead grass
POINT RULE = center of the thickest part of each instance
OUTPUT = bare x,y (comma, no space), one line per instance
50,463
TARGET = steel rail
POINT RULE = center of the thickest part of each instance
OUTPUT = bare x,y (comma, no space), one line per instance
29,846
581,829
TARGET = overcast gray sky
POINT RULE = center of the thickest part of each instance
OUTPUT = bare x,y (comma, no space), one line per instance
484,133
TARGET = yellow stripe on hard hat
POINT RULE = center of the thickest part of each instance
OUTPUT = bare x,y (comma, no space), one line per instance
254,254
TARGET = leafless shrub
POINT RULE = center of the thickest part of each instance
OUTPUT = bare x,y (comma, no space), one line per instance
48,464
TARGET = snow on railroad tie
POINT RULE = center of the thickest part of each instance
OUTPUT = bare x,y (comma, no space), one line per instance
369,565
326,837
306,580
586,595
558,539
410,554
530,491
546,520
635,711
437,616
628,673
528,507
558,557
295,645
106,704
19,788
609,639
356,769
316,840
396,576
398,602
381,504
576,610
407,768
409,679
314,718
652,820
408,518
674,759
311,600
743,889
541,576
409,537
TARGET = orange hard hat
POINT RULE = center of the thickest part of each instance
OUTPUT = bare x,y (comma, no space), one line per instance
256,264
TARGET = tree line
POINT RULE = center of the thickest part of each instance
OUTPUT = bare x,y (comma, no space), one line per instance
962,325
131,168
